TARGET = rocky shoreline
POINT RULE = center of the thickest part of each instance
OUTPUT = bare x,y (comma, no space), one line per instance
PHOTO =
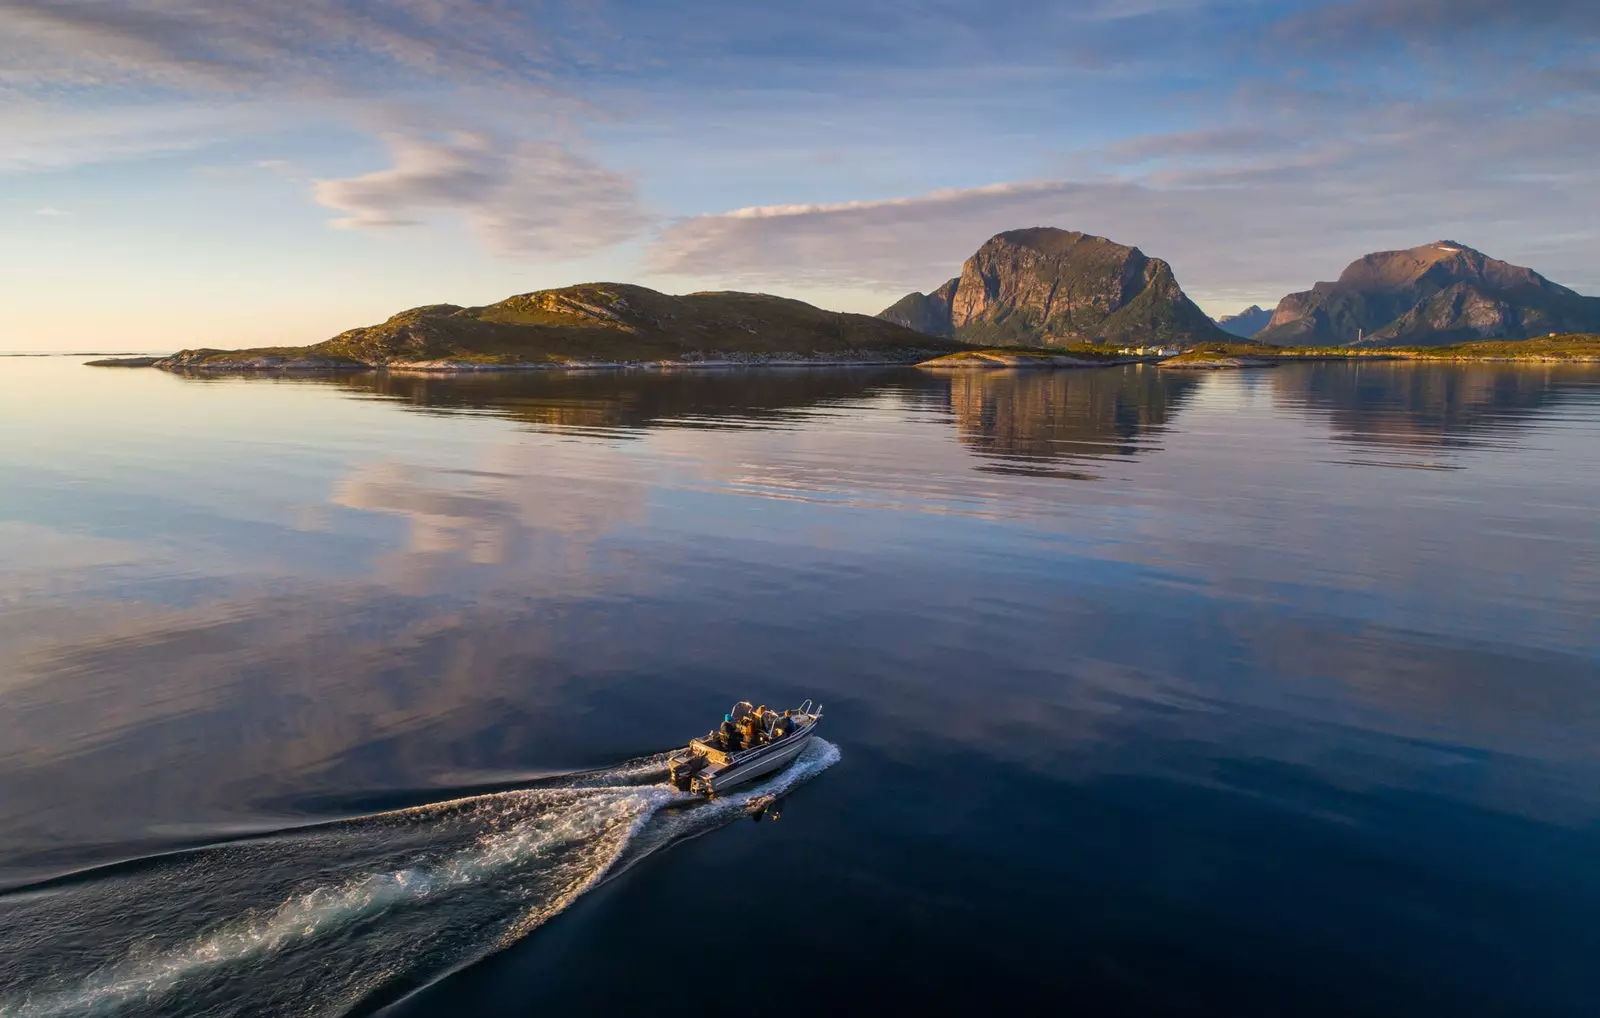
1219,363
997,360
975,360
256,365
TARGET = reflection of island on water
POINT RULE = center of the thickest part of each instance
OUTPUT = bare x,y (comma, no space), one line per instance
1426,406
618,401
1031,422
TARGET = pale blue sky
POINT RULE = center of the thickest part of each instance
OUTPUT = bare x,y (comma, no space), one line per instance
234,173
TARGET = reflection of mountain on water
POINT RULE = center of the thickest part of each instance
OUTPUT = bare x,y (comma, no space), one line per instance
621,400
1029,422
1428,406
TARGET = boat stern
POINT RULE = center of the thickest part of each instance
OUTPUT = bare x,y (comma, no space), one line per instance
684,768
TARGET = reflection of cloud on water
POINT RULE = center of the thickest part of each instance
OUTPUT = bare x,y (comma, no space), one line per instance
147,719
529,506
458,644
477,523
43,562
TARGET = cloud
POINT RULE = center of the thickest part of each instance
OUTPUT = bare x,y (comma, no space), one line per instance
211,73
238,43
97,80
890,242
522,197
37,134
51,211
1275,217
1210,143
1368,22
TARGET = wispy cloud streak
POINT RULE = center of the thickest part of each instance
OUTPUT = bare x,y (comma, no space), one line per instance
523,197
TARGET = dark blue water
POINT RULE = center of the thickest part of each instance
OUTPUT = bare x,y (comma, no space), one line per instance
1252,693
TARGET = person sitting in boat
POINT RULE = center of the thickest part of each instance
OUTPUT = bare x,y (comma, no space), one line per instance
784,725
728,733
750,728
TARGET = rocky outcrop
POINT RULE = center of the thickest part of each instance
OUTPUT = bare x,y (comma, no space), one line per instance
992,359
1045,287
1438,293
288,359
1247,322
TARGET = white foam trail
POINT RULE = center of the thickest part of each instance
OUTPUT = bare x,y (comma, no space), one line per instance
632,771
701,817
604,818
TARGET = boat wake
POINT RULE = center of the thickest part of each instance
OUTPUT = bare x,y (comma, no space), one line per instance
320,920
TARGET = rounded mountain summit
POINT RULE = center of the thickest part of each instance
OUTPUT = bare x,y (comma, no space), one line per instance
1046,287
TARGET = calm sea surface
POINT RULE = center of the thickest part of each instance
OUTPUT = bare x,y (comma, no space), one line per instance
1250,693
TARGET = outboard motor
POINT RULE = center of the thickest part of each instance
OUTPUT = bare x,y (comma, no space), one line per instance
680,773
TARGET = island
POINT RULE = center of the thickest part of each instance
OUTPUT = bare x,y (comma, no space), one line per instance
594,325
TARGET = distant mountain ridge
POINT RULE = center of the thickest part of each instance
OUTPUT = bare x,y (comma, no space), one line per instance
1044,287
1439,293
1247,322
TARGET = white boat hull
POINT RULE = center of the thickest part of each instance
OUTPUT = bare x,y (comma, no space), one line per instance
751,743
772,760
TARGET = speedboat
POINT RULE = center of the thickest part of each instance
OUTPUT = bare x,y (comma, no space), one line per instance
750,742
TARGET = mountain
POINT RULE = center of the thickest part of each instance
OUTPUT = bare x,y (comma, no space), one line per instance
1044,286
1439,293
925,312
1247,322
589,324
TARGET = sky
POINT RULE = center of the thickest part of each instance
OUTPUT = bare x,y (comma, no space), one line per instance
178,173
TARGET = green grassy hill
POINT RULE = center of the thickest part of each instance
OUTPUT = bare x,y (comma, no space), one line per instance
1577,347
594,323
1569,347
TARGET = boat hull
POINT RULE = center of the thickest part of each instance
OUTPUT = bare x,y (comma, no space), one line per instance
761,766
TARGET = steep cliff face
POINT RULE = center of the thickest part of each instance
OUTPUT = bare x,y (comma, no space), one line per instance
1045,286
1438,293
